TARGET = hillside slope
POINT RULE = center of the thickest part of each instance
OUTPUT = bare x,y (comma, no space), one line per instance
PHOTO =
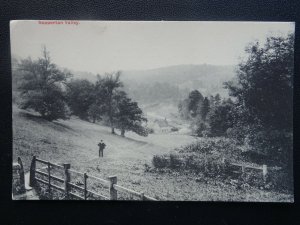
171,82
75,141
174,82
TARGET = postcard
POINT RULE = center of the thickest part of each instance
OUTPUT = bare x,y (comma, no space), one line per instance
152,110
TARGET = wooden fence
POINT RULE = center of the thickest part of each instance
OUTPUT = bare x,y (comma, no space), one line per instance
263,168
111,183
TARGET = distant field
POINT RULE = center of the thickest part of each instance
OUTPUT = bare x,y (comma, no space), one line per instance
75,141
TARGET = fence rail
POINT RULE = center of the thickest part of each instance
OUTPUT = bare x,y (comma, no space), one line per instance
67,187
263,168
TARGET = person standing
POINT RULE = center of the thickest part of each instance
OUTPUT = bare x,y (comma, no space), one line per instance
101,148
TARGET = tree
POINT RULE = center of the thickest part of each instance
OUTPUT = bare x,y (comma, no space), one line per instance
205,108
195,99
106,89
264,83
220,119
81,95
130,116
263,90
183,109
95,111
42,88
217,99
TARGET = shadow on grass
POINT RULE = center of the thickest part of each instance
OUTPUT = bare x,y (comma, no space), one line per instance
130,139
38,119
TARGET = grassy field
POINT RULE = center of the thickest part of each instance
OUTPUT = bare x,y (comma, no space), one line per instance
75,141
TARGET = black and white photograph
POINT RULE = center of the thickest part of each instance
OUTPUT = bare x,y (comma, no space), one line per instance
152,110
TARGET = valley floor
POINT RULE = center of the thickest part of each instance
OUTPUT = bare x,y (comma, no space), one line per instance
75,141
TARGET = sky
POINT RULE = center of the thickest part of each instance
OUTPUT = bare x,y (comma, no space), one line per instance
105,46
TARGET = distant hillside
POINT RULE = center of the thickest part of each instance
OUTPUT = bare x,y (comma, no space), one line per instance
84,75
175,82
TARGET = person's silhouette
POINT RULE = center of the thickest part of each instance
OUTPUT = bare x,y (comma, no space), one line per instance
101,148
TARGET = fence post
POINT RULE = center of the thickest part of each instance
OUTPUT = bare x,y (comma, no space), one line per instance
49,184
142,196
113,192
32,172
223,164
22,175
243,169
67,179
265,172
85,176
205,162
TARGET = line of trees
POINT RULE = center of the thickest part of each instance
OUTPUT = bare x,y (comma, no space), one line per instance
53,93
259,113
209,116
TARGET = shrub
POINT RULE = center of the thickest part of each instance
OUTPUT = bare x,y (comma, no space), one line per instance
206,133
160,161
280,180
217,146
213,168
238,133
277,145
175,162
174,129
200,129
150,130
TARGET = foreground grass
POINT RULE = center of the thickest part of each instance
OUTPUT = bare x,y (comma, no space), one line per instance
75,141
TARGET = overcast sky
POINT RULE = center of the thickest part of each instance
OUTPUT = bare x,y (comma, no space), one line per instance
108,46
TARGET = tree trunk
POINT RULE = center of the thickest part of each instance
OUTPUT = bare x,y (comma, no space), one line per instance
123,132
110,113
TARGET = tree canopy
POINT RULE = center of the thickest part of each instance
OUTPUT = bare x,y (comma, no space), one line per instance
264,84
42,87
129,116
106,89
80,95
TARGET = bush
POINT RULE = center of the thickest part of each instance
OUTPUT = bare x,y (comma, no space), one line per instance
190,163
160,161
171,161
174,129
206,133
280,180
175,162
150,130
276,144
200,129
238,133
205,157
218,146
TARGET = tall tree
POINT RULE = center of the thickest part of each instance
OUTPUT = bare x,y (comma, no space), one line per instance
130,116
195,99
217,99
205,108
43,87
95,111
81,95
107,88
264,84
183,109
220,119
263,90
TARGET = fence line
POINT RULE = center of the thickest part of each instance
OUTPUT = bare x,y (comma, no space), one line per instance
263,168
111,183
